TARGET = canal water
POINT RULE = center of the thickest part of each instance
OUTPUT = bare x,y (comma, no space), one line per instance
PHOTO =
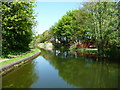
63,69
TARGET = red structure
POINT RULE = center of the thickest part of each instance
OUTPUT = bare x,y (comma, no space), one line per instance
86,45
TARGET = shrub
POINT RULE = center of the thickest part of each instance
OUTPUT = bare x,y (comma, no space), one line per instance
73,47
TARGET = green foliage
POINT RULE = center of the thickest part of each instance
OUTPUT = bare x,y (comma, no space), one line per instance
12,53
73,47
47,42
72,26
17,23
63,47
64,29
104,26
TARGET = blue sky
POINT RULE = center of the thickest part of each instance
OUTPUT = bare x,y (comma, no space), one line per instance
48,13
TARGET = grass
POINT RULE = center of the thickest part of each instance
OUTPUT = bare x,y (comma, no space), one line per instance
86,50
19,57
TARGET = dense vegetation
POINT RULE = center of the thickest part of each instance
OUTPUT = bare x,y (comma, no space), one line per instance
72,26
17,24
97,22
105,24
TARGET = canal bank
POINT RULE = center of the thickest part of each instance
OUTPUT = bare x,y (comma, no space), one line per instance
17,62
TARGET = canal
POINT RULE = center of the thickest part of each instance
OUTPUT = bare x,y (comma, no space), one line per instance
63,69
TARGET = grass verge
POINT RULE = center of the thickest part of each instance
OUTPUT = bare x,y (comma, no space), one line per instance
19,57
85,50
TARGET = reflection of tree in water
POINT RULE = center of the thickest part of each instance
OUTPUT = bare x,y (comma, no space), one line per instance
82,72
22,78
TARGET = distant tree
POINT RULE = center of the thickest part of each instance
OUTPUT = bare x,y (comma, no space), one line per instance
42,38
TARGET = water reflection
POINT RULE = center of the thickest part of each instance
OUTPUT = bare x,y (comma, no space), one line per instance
83,72
63,69
22,77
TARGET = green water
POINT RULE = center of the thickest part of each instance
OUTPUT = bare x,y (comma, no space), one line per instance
63,69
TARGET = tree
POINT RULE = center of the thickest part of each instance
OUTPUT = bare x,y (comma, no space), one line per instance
72,26
17,23
81,26
104,25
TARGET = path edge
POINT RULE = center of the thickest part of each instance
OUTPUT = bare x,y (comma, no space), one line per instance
12,66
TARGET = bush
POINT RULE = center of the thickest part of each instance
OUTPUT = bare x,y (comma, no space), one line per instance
73,47
47,42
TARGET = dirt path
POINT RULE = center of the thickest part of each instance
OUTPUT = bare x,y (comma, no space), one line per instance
1,60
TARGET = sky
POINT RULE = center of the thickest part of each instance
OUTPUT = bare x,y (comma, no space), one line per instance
48,13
